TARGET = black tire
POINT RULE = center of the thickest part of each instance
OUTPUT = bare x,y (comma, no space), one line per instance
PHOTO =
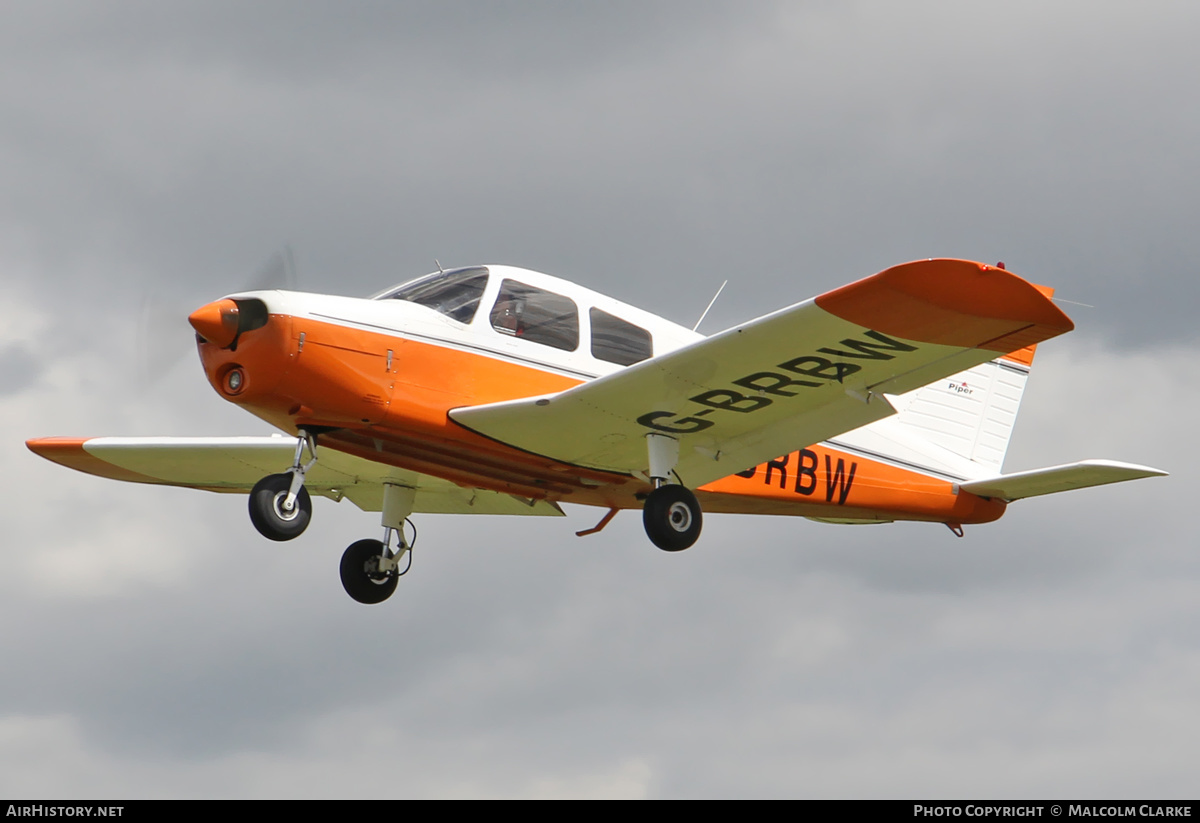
672,518
266,508
359,578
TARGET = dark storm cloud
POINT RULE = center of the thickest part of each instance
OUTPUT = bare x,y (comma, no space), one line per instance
300,42
788,147
200,138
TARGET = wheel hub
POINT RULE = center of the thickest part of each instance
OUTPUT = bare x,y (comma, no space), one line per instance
282,512
371,567
680,517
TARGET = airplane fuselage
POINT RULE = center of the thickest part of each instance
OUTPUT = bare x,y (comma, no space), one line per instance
378,377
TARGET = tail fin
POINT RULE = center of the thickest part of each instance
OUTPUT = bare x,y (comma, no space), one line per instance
971,414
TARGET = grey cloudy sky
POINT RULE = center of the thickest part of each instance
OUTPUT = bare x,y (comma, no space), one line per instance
155,646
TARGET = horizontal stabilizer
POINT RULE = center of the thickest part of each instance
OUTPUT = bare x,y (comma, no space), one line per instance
1058,479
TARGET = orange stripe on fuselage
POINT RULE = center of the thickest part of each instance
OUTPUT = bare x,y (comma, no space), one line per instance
820,481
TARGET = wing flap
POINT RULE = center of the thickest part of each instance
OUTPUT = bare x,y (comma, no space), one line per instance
1081,475
795,377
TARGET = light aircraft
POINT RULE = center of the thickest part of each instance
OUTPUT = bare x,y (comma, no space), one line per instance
497,390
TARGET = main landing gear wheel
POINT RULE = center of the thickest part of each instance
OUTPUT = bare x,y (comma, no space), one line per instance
672,518
269,516
361,577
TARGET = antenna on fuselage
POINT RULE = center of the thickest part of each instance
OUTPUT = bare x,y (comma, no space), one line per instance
439,265
710,305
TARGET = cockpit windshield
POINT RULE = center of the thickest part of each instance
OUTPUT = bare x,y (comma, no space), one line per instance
454,293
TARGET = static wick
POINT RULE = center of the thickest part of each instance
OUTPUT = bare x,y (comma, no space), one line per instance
1072,302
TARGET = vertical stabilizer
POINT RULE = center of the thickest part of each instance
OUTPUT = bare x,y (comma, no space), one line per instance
971,414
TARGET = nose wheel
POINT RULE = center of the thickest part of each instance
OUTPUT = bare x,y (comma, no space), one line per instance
365,574
370,569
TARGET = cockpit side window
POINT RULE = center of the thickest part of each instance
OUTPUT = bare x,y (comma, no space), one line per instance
455,293
617,341
536,315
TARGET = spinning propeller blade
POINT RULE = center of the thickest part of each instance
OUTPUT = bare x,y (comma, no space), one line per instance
164,336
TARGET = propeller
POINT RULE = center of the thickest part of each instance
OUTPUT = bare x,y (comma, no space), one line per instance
164,336
279,272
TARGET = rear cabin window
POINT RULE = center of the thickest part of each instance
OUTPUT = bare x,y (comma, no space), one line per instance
455,293
536,315
616,341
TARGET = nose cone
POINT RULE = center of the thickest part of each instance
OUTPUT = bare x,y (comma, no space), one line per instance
217,322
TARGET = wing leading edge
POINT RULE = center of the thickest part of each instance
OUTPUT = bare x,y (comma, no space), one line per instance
795,377
235,464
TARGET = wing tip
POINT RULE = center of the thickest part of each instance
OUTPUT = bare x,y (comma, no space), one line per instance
951,302
53,447
1131,468
72,453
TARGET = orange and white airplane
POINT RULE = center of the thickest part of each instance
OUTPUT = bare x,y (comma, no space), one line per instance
496,390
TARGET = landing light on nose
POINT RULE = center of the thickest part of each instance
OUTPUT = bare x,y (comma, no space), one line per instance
217,322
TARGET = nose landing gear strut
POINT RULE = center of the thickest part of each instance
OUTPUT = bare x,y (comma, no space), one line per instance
370,569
